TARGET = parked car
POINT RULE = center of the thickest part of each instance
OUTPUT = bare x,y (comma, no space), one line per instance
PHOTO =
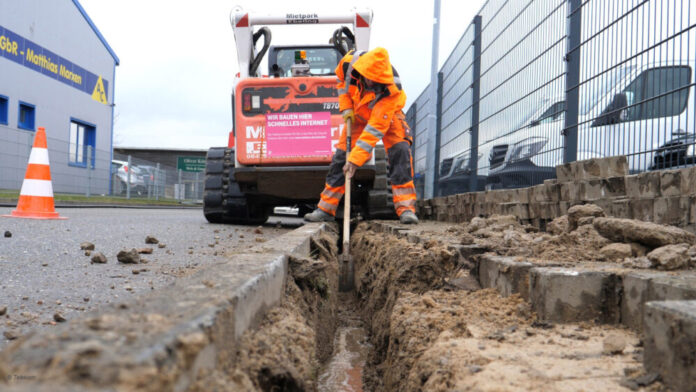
632,111
677,153
119,175
149,174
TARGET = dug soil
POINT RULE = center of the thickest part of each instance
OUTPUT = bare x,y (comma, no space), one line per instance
427,335
407,327
287,349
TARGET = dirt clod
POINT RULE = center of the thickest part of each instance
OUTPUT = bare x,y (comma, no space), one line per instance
576,213
258,230
88,253
11,334
670,257
151,240
645,233
161,245
145,251
641,262
59,318
558,225
87,246
638,250
98,258
467,239
3,310
616,251
613,344
128,256
8,234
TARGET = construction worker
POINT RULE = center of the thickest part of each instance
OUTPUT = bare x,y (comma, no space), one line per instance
371,98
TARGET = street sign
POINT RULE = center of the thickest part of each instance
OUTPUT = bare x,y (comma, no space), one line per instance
190,164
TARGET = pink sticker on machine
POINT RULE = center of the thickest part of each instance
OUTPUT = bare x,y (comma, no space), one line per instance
298,134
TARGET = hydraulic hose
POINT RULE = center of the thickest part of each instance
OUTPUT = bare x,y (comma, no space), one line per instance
254,66
343,40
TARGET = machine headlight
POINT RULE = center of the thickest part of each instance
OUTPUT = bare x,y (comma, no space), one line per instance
526,148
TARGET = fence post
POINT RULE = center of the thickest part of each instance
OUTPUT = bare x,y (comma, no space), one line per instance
128,178
438,136
195,187
89,171
572,80
156,181
181,191
476,96
431,164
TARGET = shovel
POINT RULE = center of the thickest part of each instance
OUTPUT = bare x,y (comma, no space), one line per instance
346,269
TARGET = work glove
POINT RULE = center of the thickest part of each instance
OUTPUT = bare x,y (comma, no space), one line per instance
349,114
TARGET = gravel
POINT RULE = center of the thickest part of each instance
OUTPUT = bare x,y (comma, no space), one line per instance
44,260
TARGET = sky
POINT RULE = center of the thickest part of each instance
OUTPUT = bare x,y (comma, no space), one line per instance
178,58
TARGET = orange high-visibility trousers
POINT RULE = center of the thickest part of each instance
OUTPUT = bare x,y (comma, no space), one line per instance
400,175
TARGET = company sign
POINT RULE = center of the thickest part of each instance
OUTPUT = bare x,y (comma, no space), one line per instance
30,55
298,134
190,164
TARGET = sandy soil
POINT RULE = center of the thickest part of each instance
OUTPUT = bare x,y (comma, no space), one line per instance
428,336
292,341
567,239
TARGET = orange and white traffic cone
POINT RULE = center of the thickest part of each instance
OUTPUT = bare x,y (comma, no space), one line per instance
36,196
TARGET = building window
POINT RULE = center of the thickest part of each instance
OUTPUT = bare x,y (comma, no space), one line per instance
27,114
82,143
3,109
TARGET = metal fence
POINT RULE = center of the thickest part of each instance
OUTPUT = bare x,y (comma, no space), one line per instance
536,83
102,174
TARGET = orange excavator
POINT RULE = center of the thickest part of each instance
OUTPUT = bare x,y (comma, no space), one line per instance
286,124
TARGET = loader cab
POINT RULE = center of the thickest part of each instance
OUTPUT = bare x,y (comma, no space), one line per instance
322,59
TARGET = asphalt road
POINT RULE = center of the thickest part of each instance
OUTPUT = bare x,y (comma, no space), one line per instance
43,271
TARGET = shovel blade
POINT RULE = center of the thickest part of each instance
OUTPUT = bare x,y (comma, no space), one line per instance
346,273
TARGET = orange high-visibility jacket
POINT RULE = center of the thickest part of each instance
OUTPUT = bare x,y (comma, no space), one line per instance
376,114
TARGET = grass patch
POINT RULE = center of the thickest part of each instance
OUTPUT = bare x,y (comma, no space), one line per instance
96,199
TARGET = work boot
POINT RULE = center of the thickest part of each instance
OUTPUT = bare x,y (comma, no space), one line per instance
408,218
318,215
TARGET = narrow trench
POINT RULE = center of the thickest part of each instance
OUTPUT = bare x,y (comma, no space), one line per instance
343,372
417,321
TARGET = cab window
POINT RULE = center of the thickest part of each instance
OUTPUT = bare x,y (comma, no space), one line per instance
552,114
322,61
658,92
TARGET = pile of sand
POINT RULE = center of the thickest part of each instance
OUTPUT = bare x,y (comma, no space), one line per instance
585,234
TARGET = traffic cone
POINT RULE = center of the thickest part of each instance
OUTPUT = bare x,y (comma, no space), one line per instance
36,196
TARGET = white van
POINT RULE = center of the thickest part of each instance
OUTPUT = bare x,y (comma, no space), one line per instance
455,172
517,159
631,110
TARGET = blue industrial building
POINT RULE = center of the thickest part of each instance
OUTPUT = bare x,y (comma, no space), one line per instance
56,71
